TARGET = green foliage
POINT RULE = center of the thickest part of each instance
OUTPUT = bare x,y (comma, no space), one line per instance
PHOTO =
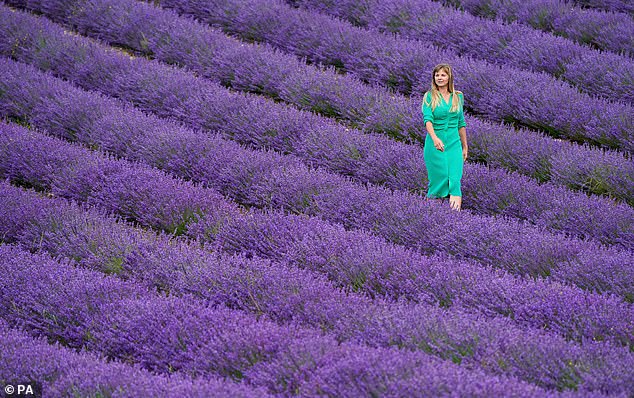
188,216
358,281
113,265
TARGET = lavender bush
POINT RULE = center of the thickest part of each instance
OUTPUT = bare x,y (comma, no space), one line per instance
601,29
289,291
601,173
120,22
402,218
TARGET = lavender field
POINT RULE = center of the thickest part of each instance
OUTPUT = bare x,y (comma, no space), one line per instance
226,198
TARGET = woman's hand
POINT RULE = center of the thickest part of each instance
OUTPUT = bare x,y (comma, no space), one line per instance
438,144
465,152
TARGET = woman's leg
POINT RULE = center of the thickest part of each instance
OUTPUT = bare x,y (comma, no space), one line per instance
456,165
437,171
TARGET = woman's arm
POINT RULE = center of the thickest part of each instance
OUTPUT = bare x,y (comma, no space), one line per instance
428,119
462,128
463,139
429,126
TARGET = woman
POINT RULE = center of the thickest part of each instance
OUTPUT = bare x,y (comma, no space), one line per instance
446,146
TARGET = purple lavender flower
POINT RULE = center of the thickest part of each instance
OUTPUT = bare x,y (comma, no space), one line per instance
177,307
352,260
304,245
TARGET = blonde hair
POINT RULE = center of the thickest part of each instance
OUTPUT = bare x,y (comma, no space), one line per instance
435,92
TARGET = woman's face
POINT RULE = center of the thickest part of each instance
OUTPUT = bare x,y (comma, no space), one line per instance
441,78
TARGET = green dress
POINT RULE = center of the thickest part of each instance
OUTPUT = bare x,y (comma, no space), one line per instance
444,169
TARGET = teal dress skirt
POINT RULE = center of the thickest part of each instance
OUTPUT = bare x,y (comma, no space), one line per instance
444,169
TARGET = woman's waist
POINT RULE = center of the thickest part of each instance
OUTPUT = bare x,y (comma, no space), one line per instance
444,124
446,137
446,131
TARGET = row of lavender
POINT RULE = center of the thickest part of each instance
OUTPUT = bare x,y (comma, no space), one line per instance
61,372
366,158
515,95
124,321
497,92
283,293
606,30
230,62
602,74
266,179
353,260
462,34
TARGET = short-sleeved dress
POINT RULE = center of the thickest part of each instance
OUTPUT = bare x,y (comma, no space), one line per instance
444,169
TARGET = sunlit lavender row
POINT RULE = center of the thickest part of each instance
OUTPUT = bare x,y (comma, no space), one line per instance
601,74
313,138
496,92
605,30
352,259
285,294
57,105
606,124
